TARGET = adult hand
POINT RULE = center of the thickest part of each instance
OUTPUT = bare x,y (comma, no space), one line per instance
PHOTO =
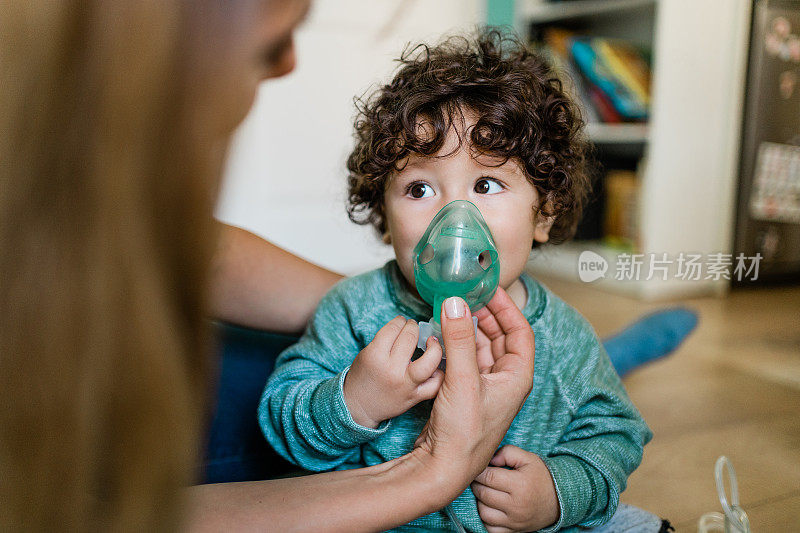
473,410
470,416
519,498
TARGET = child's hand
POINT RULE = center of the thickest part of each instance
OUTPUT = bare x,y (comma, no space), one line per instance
521,499
383,382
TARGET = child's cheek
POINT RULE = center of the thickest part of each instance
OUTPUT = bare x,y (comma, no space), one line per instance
514,248
404,255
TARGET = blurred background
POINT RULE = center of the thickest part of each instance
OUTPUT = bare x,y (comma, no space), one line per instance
694,110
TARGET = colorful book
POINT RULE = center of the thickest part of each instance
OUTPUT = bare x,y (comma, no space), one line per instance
627,65
621,217
574,83
609,76
596,68
603,106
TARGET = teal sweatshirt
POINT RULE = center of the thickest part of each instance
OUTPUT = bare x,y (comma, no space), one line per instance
578,418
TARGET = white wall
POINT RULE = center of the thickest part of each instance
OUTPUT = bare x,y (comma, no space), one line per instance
286,176
691,175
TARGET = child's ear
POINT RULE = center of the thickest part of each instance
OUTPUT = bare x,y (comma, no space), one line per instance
386,237
541,232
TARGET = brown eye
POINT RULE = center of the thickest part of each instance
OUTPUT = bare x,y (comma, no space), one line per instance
487,186
420,190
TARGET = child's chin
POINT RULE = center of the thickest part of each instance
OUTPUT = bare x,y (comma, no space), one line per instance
408,277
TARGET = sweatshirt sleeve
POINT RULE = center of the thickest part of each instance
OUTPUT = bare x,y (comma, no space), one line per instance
604,441
302,412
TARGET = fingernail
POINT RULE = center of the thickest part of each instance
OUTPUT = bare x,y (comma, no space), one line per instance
454,307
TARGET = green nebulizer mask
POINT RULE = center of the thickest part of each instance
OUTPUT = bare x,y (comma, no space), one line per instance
456,256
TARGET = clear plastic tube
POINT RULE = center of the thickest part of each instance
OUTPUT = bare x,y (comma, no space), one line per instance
734,519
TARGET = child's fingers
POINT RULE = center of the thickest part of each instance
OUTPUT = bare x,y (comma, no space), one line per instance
500,529
405,343
492,497
423,368
492,516
430,388
511,456
497,478
384,339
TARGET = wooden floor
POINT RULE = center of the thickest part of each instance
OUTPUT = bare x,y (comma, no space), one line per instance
732,389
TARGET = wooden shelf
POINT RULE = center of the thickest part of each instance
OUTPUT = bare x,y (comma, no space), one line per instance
600,133
538,12
692,142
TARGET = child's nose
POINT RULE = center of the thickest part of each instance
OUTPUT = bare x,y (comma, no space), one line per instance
452,196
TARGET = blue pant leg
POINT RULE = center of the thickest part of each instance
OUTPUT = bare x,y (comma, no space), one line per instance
236,449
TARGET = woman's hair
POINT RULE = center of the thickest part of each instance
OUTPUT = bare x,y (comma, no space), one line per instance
108,172
522,111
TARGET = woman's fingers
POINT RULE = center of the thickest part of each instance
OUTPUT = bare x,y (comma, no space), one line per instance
423,435
515,327
517,349
499,347
487,323
485,356
423,368
490,326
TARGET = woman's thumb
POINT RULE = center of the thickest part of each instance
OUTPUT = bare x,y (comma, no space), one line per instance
458,333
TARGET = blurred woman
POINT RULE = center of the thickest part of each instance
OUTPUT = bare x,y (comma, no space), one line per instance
115,117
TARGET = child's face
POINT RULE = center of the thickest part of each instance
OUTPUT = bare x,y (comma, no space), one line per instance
503,194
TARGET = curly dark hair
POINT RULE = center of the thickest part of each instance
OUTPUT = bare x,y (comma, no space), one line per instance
522,111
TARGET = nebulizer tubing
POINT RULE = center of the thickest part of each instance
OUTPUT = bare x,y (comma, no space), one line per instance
456,256
734,519
734,514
